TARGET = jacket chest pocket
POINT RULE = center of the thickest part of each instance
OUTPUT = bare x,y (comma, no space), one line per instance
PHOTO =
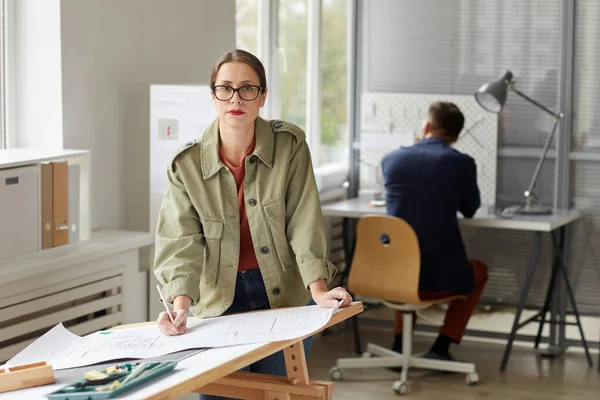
275,211
213,232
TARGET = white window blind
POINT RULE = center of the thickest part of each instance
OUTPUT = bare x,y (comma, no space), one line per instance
453,47
586,135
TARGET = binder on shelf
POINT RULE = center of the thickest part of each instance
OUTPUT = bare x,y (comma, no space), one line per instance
19,211
60,203
74,177
46,205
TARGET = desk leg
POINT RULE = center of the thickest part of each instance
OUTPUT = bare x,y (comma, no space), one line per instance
524,291
349,240
555,304
563,270
295,364
355,329
547,302
561,291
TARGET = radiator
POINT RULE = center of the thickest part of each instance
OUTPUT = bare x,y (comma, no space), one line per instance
83,305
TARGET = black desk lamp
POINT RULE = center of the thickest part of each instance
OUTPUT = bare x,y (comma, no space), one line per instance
492,96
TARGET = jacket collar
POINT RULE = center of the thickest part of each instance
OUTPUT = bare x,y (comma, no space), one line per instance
209,146
432,140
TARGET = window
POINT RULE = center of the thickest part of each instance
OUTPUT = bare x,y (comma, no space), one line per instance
307,73
3,138
292,37
334,82
246,22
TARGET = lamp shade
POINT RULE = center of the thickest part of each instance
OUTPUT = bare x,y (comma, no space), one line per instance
492,95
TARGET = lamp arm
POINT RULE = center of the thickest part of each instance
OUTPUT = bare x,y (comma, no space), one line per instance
529,99
538,167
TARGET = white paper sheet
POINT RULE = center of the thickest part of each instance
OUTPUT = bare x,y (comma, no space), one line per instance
63,349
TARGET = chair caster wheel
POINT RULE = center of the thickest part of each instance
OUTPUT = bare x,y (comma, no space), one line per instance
472,379
400,388
336,374
366,354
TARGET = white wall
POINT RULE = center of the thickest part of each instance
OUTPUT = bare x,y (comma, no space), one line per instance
112,50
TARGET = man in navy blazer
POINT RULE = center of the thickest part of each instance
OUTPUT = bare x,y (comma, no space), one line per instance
426,185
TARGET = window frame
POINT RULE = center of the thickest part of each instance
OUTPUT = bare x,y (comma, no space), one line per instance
7,101
313,80
267,45
3,140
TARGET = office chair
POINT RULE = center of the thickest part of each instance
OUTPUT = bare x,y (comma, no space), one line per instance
386,265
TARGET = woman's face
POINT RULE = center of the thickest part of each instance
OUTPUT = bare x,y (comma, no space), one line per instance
237,112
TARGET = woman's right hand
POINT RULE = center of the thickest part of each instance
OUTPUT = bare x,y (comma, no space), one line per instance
177,327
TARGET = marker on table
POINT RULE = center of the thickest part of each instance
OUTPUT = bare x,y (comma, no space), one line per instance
135,372
162,298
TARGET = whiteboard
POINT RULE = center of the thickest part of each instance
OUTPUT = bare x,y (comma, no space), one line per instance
178,114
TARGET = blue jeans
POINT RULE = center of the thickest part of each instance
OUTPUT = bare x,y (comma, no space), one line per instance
251,295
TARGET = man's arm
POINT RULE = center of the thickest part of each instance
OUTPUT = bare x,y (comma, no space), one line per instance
470,201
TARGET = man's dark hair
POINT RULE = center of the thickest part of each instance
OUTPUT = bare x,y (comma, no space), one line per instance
446,118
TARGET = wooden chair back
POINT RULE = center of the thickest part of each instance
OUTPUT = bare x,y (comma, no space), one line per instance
387,260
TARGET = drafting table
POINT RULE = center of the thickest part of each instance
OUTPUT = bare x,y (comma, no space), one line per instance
214,371
555,224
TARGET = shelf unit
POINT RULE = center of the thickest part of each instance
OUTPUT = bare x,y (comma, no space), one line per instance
18,158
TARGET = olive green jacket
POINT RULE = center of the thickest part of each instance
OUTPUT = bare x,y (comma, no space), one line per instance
198,231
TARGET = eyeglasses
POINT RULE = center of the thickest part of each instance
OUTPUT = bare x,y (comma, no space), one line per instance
226,92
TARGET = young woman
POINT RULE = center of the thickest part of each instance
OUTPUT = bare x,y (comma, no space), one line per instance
240,227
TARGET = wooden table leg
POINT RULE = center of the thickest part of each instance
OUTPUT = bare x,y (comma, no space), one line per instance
295,364
297,385
328,386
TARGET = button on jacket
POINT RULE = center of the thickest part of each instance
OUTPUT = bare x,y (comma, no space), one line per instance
198,231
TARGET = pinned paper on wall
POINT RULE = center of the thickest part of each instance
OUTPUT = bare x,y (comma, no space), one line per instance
168,129
385,115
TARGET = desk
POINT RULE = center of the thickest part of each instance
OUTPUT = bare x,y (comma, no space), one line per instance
205,373
558,221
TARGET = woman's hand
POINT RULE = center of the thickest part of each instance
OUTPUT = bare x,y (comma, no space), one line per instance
177,327
336,297
182,305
